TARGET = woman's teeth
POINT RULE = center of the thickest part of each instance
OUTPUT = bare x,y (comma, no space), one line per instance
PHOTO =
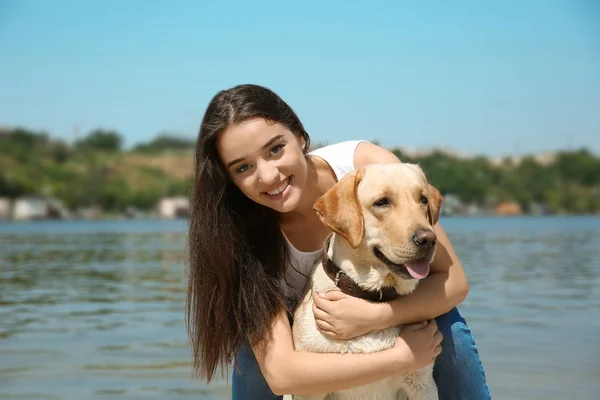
280,188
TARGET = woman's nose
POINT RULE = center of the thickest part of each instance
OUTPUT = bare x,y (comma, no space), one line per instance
268,173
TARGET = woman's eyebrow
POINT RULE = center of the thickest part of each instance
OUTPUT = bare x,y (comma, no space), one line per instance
270,142
237,160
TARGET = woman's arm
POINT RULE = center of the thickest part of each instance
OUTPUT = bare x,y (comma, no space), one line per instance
303,373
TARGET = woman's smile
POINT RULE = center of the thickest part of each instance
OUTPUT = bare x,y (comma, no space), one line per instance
282,189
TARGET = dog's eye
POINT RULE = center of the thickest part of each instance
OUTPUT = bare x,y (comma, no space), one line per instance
384,201
424,200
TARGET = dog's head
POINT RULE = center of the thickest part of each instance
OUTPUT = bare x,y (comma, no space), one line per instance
386,213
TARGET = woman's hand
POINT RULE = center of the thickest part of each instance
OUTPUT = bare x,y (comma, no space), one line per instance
418,345
340,316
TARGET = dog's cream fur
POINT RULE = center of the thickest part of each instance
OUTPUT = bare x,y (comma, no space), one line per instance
358,227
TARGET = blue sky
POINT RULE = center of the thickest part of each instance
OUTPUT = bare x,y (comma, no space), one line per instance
489,77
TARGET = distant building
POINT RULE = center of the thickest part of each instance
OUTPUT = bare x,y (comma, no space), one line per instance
5,208
26,208
34,207
173,207
451,205
508,208
473,210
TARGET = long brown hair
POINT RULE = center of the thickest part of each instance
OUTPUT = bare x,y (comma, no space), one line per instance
236,251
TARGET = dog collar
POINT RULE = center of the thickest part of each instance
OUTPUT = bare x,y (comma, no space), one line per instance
348,286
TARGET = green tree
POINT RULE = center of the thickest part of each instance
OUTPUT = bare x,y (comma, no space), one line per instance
58,151
578,166
23,145
102,140
165,142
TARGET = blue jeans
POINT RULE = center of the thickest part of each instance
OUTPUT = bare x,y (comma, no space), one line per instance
458,371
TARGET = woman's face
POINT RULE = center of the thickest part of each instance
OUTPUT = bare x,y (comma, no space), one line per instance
266,161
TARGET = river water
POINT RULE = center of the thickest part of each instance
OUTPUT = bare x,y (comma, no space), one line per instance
95,310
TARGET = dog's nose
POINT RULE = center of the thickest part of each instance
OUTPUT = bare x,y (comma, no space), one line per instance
424,238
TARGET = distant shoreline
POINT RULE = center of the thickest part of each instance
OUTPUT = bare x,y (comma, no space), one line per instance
171,220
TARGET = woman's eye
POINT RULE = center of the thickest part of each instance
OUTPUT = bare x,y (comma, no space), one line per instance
242,168
424,200
277,149
384,201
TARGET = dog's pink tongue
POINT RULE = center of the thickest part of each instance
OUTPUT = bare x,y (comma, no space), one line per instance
418,269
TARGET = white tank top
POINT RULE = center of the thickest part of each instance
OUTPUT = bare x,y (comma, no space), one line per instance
340,158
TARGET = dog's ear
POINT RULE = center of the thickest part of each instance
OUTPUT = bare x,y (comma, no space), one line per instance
435,203
433,195
340,210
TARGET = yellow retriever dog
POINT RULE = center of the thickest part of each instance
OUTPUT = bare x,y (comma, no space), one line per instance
382,219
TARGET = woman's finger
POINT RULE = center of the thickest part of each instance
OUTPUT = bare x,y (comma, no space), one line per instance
432,326
321,303
324,326
438,337
330,334
333,295
417,327
320,314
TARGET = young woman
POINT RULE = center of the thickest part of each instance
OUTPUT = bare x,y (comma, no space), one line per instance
253,237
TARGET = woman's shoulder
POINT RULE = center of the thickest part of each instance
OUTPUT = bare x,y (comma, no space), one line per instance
349,155
339,156
369,153
336,148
